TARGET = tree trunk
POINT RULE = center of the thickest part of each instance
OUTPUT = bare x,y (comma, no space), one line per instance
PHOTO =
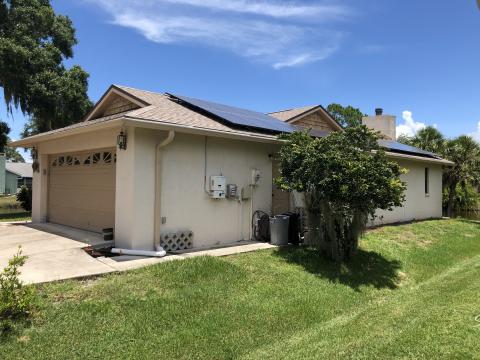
451,198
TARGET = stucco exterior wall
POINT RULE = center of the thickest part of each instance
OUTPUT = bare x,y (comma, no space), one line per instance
184,201
135,190
418,205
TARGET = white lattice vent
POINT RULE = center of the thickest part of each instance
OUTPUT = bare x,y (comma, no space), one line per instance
176,240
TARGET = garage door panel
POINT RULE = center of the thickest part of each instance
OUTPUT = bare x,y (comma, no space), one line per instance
82,194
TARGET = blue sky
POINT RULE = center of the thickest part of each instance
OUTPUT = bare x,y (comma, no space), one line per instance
419,60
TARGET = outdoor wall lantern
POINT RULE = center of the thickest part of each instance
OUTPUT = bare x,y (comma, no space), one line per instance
122,141
35,163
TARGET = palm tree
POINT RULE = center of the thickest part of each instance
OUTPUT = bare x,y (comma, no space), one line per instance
429,139
464,151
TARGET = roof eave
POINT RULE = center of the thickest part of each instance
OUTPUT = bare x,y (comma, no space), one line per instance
32,141
418,158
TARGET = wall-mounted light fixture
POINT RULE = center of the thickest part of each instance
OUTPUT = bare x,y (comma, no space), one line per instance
35,163
122,141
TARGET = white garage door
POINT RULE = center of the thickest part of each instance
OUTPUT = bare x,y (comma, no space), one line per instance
81,190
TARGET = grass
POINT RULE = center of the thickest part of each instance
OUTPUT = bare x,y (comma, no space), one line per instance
10,209
412,292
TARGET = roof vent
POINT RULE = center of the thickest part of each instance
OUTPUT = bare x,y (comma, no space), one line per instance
379,111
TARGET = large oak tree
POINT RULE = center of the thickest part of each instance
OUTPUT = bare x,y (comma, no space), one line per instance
34,42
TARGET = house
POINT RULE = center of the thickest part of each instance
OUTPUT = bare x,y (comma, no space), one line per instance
18,175
159,168
14,175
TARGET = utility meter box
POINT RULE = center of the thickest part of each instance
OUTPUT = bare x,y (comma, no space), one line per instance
217,186
255,177
232,191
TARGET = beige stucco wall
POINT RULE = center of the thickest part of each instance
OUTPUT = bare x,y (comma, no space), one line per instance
417,204
134,199
184,202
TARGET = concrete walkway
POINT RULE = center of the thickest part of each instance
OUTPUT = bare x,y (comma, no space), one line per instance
55,252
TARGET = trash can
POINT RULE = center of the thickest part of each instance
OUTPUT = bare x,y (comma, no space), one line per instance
279,230
293,227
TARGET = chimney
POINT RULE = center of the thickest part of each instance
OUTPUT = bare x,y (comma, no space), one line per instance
385,124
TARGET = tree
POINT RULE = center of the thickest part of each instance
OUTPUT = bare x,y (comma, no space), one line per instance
464,151
13,155
4,131
345,177
429,139
10,153
34,42
345,116
24,197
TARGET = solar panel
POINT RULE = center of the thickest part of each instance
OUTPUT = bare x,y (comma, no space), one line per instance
399,147
239,117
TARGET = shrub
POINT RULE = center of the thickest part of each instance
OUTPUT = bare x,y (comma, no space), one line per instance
24,197
16,299
345,177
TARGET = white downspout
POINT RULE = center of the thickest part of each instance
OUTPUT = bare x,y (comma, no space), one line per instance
158,175
158,250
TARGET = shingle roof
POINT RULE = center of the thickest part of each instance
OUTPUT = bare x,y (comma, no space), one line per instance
20,169
163,109
288,114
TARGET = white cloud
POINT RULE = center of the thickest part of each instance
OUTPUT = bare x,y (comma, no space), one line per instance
410,127
279,33
267,8
476,134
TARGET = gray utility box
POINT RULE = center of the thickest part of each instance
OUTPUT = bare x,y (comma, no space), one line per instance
279,230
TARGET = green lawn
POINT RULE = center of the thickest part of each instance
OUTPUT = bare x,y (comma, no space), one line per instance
10,209
413,292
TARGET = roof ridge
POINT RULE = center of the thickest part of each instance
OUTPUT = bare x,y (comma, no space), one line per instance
133,88
295,108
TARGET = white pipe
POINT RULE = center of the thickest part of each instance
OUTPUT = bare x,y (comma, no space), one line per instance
252,187
158,175
159,253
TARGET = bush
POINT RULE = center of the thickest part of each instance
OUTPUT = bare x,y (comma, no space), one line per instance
345,178
16,299
24,197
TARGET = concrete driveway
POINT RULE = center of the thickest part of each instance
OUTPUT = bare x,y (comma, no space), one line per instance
54,251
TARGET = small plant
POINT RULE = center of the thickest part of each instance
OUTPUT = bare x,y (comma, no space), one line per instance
24,197
16,299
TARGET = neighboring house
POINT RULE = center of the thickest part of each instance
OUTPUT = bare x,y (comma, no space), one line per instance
18,175
14,175
149,165
2,173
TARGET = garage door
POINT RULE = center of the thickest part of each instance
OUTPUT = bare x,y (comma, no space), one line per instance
81,190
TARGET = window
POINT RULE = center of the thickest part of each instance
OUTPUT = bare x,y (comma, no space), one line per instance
427,181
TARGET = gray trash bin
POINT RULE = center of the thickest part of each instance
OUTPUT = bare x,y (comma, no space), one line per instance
279,230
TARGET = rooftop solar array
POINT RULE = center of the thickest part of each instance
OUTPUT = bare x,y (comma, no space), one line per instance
252,119
399,147
239,117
